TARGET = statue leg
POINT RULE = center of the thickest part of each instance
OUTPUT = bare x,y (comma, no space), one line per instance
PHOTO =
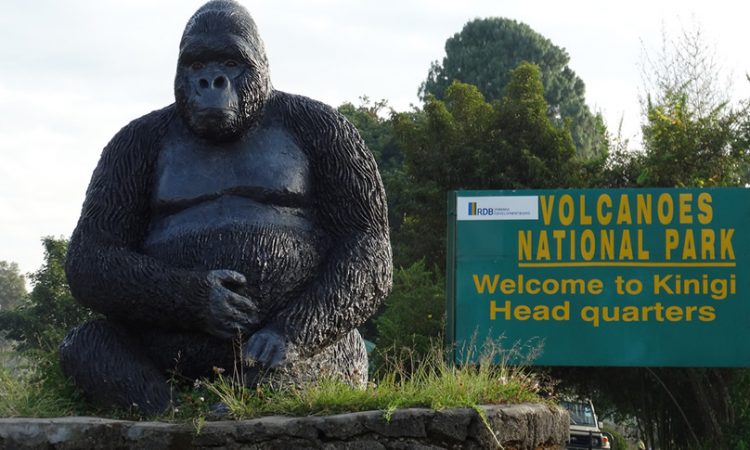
111,368
187,356
345,359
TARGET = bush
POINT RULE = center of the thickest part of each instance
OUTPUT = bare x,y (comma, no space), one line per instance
618,441
34,384
41,321
413,315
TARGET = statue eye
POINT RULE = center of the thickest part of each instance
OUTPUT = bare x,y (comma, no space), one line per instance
231,63
197,65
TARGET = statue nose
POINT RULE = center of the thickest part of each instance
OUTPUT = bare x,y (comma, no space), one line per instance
219,82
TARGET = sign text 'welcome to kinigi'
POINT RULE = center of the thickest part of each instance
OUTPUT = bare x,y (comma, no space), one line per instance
633,277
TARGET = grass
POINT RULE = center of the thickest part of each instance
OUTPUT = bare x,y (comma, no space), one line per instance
406,380
24,392
429,381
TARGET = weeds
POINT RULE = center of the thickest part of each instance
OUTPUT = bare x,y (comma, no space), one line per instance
36,389
403,382
432,382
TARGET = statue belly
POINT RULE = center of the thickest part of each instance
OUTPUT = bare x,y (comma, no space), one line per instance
277,248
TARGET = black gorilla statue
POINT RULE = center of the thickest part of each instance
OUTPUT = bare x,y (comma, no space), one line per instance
237,214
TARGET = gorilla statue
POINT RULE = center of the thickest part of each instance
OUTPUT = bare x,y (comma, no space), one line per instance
238,219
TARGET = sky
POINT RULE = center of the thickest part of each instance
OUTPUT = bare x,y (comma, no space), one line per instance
73,72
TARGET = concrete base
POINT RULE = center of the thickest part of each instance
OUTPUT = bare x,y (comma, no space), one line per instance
516,427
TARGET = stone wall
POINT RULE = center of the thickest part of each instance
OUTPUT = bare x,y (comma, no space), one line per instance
525,426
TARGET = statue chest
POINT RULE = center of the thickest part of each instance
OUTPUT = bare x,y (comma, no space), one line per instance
266,166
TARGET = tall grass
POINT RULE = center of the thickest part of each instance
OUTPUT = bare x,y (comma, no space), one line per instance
430,382
36,388
406,380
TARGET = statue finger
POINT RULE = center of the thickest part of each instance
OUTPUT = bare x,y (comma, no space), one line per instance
242,304
220,330
229,277
253,349
248,322
268,352
277,356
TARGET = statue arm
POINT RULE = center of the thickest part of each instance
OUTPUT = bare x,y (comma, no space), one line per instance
350,201
105,268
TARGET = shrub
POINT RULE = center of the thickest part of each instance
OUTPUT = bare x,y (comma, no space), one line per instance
413,315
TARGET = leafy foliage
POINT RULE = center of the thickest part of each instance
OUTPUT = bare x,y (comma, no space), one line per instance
487,51
463,142
738,434
12,286
618,442
38,325
36,387
688,65
676,408
413,316
687,148
620,169
693,135
42,321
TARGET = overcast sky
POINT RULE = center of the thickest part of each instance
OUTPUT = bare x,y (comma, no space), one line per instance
73,72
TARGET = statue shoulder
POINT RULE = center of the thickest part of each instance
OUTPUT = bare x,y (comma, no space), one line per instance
316,125
303,111
137,142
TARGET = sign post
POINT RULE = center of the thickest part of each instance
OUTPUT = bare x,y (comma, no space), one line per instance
630,277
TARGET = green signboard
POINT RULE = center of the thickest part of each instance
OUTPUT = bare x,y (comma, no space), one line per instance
631,277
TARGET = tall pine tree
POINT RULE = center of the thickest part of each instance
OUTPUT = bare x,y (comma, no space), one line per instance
485,53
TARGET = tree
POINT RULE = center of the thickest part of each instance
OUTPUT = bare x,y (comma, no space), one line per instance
42,321
621,168
413,316
692,134
463,142
12,286
684,65
485,53
685,147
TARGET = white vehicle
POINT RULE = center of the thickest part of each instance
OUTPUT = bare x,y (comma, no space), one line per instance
585,431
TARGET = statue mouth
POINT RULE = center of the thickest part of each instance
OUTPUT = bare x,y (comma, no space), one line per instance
216,113
217,124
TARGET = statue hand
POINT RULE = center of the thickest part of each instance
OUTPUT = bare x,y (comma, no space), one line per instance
228,313
268,346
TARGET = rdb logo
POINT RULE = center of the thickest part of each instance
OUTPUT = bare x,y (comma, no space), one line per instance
475,211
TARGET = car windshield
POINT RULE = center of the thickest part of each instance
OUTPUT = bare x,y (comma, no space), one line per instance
580,413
